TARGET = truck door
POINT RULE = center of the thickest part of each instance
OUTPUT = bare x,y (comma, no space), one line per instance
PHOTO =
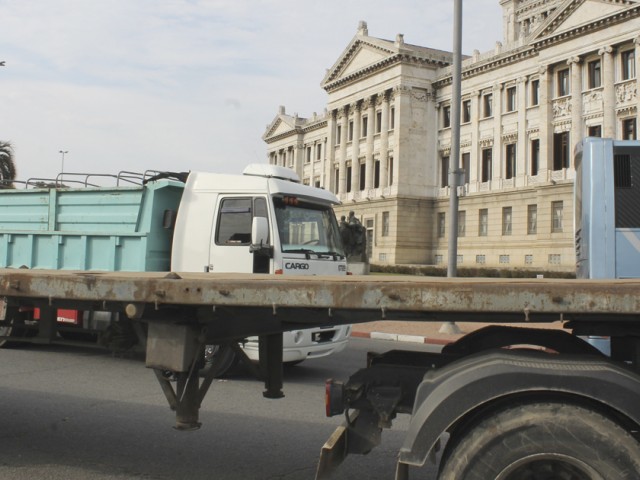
231,236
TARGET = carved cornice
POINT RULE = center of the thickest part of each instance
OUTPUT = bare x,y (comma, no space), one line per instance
510,137
598,24
486,142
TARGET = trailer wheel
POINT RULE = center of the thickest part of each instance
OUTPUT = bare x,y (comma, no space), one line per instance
219,359
544,441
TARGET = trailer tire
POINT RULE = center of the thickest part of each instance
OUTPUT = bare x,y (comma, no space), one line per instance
219,360
543,440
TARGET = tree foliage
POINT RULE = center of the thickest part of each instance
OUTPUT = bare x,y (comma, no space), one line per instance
7,165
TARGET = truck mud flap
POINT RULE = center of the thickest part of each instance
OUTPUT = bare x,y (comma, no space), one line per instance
360,434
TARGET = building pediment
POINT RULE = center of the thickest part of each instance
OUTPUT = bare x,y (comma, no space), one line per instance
367,55
578,16
281,124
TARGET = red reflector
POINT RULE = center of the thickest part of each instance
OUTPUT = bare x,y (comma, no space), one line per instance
279,271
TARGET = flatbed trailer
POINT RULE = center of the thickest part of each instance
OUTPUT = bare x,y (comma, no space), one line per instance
505,402
183,312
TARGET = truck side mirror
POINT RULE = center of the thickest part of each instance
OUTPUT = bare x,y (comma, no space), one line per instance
260,236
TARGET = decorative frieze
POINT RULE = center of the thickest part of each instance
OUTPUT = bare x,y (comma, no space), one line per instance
627,92
561,107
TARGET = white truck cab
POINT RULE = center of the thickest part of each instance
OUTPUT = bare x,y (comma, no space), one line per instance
263,221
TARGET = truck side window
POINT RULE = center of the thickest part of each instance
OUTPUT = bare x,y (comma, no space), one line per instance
234,222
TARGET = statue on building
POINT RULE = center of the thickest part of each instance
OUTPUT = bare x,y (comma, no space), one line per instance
354,238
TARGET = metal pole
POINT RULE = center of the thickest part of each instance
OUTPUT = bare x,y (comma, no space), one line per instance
63,152
454,158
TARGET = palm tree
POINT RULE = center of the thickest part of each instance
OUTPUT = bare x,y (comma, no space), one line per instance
7,165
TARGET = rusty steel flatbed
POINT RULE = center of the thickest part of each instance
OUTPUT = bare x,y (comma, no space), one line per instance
341,299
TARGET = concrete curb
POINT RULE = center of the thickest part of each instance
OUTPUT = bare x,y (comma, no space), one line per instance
397,337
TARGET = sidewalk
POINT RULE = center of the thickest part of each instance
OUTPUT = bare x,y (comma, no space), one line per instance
424,332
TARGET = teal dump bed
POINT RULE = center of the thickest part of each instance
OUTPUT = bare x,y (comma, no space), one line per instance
105,228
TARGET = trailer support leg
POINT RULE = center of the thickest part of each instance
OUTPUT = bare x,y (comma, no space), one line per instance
47,324
270,350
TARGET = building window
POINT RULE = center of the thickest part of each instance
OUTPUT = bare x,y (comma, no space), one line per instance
462,223
365,121
441,224
350,131
392,118
535,92
390,170
444,171
308,159
378,121
510,167
506,220
628,61
316,182
466,111
336,187
439,259
382,257
338,134
306,181
532,219
511,99
561,150
629,129
446,116
480,259
554,259
487,155
487,105
594,77
385,224
528,259
504,259
466,166
363,175
556,216
459,259
376,174
535,156
348,178
318,151
483,222
563,82
594,131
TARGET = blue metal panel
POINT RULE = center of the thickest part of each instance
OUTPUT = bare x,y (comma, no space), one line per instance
88,229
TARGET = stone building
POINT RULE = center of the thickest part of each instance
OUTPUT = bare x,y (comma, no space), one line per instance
564,70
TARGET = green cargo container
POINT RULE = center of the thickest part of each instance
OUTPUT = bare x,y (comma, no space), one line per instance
104,228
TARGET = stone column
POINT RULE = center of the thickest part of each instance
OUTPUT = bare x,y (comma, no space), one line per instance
355,147
330,153
546,117
343,118
575,64
371,127
384,140
497,162
521,145
474,161
609,93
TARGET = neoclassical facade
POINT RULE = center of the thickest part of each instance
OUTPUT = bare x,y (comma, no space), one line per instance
564,70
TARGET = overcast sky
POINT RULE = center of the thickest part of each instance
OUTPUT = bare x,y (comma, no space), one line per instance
186,84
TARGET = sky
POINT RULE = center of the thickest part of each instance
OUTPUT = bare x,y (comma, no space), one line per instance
186,85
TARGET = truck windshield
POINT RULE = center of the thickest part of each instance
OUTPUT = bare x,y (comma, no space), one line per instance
307,228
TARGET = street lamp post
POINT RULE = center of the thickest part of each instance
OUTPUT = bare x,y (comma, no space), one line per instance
62,152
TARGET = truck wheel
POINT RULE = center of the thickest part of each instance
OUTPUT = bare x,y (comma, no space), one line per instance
543,441
220,359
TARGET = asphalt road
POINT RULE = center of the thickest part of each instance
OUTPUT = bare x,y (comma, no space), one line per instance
77,414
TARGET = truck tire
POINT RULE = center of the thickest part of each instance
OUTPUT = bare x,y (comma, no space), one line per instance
543,441
219,359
